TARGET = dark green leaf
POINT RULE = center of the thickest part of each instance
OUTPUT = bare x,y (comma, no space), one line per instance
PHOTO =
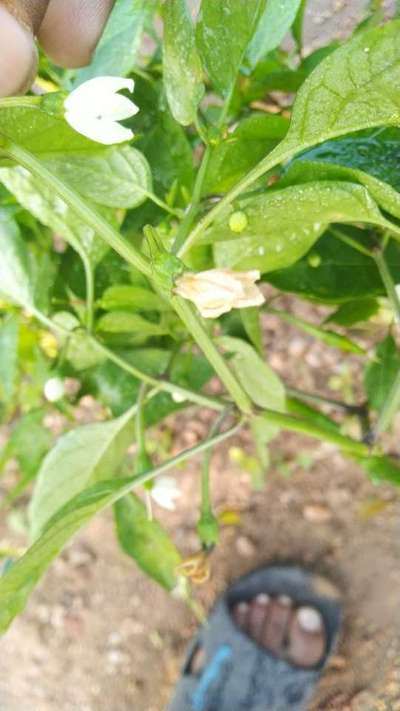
252,325
343,274
223,32
297,29
297,407
381,373
146,541
354,311
236,155
183,74
381,468
335,340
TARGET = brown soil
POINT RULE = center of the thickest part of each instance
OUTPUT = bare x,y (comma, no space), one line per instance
98,636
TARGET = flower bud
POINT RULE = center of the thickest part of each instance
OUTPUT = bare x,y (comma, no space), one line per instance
54,389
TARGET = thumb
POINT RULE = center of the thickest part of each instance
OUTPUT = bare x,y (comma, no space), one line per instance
18,53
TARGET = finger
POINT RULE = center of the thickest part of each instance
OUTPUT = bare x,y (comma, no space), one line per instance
18,54
30,13
70,30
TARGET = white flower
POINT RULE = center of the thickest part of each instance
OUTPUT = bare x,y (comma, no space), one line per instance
165,492
217,291
95,108
54,389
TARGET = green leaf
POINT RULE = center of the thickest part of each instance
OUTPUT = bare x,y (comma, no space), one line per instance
343,274
252,325
146,541
256,377
183,74
282,225
132,297
223,32
297,407
387,197
119,45
81,457
17,277
275,22
381,468
127,322
29,441
381,373
39,199
354,311
9,330
116,177
39,130
298,25
242,149
19,581
335,340
357,87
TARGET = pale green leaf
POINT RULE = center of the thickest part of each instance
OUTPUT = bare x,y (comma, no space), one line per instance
257,378
183,74
282,225
127,322
17,277
146,541
9,329
381,373
135,298
80,458
117,51
275,22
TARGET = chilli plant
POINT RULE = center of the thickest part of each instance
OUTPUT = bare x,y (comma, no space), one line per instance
146,202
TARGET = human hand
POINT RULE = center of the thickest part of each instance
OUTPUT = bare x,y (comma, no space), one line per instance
68,30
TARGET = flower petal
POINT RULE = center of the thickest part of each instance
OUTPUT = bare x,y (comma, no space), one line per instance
95,89
100,130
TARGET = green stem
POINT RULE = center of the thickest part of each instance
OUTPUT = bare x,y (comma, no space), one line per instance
139,421
74,201
290,422
294,392
387,279
351,242
194,325
208,443
89,276
205,475
162,204
190,216
198,398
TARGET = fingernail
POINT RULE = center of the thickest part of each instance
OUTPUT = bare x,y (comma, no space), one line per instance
309,619
285,600
18,56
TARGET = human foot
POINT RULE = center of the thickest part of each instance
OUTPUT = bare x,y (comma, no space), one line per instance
291,632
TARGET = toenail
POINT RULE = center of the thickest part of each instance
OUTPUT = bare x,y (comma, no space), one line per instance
242,607
285,600
263,599
309,619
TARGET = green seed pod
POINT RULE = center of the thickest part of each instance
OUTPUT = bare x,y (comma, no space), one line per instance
314,259
238,221
208,530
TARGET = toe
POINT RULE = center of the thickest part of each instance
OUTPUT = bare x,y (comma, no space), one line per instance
240,614
307,638
277,624
258,613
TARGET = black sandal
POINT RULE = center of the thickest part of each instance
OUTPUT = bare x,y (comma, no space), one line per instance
240,675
